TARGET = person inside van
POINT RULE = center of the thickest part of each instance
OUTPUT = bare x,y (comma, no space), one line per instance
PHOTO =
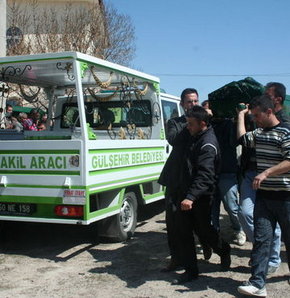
8,117
41,126
31,122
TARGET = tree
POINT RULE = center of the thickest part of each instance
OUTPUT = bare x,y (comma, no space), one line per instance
121,37
95,29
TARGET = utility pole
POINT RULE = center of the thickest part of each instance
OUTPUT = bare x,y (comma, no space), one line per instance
3,28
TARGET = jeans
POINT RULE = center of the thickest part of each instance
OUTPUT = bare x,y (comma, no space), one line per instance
266,215
246,216
228,194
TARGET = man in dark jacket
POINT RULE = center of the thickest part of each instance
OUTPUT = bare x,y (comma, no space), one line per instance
196,188
177,136
277,92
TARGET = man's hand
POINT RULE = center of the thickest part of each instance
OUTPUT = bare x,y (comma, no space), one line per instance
186,205
241,128
258,179
243,110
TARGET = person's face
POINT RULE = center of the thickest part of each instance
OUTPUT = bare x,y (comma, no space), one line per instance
41,127
261,118
35,116
194,126
271,93
9,110
189,101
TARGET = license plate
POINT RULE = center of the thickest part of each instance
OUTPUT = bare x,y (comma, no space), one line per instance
17,209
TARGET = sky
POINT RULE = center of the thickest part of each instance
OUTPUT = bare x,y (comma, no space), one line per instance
206,44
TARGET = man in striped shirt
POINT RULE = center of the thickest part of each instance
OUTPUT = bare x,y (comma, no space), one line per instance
272,143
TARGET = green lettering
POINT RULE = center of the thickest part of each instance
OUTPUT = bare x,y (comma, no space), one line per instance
94,162
20,163
126,158
33,162
4,163
133,158
64,162
116,160
11,162
50,164
41,162
111,160
58,162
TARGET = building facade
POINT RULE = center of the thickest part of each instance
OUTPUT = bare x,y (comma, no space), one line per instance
33,23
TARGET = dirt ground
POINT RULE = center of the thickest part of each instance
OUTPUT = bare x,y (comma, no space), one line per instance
42,260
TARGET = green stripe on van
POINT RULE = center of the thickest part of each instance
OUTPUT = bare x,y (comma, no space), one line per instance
146,178
121,185
39,151
125,168
33,60
119,150
45,186
47,173
103,211
118,71
47,137
30,199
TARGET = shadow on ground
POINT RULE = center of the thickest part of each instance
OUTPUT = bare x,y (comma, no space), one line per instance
40,240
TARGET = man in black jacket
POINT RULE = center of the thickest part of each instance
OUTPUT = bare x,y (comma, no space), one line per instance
177,136
196,188
277,92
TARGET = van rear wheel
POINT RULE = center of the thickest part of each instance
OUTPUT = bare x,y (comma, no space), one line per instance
121,227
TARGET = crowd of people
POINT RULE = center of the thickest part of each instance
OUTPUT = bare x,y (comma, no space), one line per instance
33,121
243,162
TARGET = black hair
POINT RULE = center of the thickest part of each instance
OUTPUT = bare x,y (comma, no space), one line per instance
34,111
198,113
8,106
279,89
204,103
187,91
264,102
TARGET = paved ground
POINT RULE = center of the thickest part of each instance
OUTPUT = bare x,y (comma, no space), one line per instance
39,260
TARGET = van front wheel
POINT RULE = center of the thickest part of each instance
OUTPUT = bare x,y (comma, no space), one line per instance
121,227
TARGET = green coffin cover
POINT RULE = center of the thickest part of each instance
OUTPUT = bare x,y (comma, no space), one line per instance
223,101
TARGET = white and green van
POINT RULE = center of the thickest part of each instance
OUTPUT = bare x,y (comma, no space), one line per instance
102,151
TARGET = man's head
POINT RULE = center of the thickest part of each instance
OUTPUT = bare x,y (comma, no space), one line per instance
197,120
277,92
41,126
189,98
9,110
34,114
262,109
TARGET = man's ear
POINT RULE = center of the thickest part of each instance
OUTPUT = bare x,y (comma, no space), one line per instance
269,112
203,124
278,100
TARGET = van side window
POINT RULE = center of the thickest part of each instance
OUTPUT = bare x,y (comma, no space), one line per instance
170,110
102,114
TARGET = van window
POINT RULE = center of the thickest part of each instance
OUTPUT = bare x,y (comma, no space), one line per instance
101,114
170,110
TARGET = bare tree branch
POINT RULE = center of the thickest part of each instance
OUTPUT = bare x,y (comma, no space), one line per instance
95,30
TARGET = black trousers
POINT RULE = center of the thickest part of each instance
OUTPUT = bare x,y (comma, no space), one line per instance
197,220
171,224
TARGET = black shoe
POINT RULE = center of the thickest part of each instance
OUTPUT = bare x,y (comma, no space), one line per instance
207,252
172,266
185,277
226,261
